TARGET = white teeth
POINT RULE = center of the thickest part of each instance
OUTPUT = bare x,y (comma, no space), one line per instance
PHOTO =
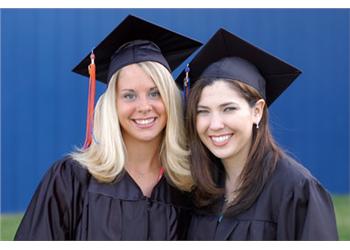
220,138
145,121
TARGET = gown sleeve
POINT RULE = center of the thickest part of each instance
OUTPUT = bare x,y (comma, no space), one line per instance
55,207
307,213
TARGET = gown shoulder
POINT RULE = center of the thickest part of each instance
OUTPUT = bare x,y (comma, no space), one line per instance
70,204
303,208
56,203
293,205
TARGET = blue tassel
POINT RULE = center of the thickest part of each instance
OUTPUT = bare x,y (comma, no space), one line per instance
186,88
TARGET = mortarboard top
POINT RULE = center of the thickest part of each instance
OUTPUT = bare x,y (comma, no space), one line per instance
228,56
140,41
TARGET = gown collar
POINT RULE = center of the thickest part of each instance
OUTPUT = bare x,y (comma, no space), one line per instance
125,188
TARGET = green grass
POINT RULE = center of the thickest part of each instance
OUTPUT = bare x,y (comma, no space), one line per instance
9,223
342,213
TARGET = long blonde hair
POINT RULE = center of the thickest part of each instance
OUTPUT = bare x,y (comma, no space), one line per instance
105,158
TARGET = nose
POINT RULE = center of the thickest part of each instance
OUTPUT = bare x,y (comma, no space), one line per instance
216,122
144,106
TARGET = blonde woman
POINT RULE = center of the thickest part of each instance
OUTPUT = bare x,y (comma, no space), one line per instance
127,182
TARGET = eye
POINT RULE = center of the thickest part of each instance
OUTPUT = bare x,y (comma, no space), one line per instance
202,111
229,109
154,94
129,96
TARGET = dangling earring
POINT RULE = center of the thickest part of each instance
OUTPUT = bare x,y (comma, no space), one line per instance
257,125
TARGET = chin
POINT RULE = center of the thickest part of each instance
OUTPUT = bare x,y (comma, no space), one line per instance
221,155
149,137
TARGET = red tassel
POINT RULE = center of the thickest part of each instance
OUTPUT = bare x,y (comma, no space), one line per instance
161,172
91,102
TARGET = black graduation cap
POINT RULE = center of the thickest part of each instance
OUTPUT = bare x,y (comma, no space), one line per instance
230,57
135,40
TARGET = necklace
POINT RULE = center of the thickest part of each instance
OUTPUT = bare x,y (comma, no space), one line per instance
229,197
141,173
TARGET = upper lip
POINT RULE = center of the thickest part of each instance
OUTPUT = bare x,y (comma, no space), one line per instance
220,135
144,118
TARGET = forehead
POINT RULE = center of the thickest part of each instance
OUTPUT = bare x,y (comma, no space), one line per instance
219,92
134,77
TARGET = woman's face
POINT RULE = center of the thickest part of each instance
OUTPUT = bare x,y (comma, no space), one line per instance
141,110
224,121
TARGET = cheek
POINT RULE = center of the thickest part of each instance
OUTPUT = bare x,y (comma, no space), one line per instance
244,127
241,121
159,107
201,125
124,110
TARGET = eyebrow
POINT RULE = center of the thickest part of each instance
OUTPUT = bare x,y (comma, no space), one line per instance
221,105
132,90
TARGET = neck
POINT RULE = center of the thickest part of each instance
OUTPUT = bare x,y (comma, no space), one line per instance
143,162
233,168
142,157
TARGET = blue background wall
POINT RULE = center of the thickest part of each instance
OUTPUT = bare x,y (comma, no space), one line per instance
43,104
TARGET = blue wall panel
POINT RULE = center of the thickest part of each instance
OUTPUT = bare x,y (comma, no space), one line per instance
43,104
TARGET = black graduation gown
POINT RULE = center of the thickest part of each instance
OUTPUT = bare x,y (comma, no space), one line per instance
292,206
70,204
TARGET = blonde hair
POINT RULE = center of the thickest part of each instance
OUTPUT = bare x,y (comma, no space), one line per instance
105,158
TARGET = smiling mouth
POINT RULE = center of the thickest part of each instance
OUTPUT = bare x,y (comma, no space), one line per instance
144,123
220,140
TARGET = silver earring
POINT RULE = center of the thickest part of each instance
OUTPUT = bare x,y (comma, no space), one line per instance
257,125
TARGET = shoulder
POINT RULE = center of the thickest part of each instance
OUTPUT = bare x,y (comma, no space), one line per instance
291,185
68,169
292,178
290,172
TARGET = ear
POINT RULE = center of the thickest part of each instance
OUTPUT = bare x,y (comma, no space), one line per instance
258,110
